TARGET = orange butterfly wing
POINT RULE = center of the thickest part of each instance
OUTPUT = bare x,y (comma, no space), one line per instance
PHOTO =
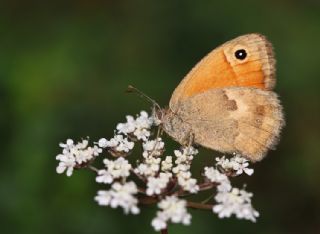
246,61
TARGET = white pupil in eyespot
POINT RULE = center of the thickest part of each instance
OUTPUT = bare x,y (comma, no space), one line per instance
240,54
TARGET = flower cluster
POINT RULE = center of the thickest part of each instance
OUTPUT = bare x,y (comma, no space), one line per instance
138,127
120,195
172,209
215,176
118,143
75,155
119,168
230,200
182,169
150,165
134,129
163,178
236,202
155,185
236,164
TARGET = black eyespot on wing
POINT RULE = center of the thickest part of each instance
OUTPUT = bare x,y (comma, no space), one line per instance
240,54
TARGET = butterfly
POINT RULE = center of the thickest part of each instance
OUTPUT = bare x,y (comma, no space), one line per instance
226,102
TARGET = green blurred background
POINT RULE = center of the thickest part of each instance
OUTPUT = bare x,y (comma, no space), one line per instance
63,71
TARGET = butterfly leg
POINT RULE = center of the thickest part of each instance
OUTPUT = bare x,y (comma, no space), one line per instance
159,134
190,140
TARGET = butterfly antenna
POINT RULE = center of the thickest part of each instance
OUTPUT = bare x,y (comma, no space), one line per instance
132,89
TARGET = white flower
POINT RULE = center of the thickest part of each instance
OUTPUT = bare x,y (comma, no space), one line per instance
103,143
236,202
181,168
139,127
120,195
75,154
224,163
151,164
118,168
113,142
172,209
153,147
224,186
236,163
215,176
148,169
241,165
142,134
189,184
184,158
103,198
156,184
183,161
185,155
159,222
144,121
83,155
104,177
96,150
69,143
127,127
166,165
117,143
143,124
124,145
143,169
67,162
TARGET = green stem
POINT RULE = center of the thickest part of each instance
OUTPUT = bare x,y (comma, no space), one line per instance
92,168
207,199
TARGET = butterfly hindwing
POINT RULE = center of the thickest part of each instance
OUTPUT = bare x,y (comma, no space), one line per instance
235,119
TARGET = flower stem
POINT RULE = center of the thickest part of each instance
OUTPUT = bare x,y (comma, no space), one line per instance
196,205
207,199
207,186
164,231
92,168
147,200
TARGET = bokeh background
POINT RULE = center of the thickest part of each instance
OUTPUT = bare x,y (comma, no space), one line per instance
64,67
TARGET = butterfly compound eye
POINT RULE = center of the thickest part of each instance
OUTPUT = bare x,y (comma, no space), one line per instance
240,54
